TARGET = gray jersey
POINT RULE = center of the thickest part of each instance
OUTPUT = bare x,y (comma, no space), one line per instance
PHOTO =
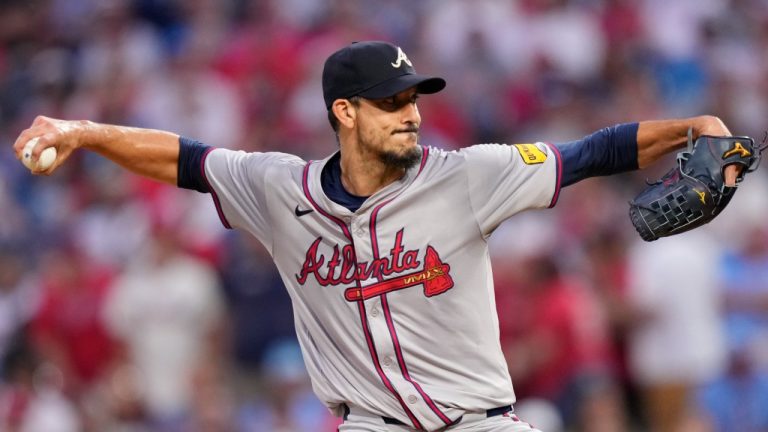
394,303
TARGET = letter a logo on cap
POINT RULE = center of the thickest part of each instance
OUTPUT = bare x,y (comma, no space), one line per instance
401,57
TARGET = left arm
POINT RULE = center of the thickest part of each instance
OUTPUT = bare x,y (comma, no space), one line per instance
628,147
656,138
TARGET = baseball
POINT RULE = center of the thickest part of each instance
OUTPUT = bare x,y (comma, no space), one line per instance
47,157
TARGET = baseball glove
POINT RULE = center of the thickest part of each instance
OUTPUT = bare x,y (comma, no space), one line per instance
694,192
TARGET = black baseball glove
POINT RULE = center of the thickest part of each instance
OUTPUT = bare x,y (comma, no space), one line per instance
694,192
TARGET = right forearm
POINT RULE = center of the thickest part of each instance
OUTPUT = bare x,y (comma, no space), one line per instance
146,152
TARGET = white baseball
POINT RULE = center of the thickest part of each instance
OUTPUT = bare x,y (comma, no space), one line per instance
47,157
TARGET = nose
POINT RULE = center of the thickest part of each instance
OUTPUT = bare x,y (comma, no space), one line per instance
410,114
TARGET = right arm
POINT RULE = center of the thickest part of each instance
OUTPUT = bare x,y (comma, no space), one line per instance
150,153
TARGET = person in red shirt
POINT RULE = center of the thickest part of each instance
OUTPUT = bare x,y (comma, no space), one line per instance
67,330
557,341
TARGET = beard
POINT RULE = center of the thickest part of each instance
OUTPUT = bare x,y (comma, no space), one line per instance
405,160
400,159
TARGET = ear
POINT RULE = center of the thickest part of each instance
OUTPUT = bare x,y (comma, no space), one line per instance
345,112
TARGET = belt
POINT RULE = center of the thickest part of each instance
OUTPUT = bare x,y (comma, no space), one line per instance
493,412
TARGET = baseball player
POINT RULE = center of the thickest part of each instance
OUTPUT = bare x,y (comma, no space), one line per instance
382,245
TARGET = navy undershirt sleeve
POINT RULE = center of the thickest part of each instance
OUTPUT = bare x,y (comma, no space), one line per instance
190,172
330,179
608,151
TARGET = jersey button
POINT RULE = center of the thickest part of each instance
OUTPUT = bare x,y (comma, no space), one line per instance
375,312
412,399
387,361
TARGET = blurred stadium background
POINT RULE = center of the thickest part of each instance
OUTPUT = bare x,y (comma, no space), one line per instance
126,306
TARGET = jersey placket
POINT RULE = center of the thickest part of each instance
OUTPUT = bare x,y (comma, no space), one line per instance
357,235
375,316
373,306
374,322
383,327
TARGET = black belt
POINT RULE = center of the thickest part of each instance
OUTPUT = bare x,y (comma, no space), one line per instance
493,412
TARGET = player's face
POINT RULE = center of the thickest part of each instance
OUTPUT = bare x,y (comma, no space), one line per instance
388,128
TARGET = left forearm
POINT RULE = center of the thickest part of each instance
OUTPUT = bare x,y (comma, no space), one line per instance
656,138
630,146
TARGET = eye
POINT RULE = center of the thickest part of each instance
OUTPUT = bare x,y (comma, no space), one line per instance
388,104
393,103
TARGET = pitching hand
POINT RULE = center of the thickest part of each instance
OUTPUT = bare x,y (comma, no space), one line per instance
64,135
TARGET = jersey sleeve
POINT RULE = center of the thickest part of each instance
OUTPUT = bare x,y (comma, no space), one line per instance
191,155
239,184
506,179
608,151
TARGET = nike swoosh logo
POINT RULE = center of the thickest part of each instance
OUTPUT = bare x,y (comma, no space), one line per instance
300,213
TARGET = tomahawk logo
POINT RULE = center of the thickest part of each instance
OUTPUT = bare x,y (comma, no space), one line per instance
434,276
401,57
403,265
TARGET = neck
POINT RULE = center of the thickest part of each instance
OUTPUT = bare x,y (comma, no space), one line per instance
364,174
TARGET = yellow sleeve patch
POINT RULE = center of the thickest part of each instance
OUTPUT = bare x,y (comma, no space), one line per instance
531,154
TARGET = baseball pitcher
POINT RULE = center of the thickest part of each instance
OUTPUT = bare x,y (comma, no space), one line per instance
383,244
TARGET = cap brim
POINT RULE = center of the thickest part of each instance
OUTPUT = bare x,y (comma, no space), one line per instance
424,85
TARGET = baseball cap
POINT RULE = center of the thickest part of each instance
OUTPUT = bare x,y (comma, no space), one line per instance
373,70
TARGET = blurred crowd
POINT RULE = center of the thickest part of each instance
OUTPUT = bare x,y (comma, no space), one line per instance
125,306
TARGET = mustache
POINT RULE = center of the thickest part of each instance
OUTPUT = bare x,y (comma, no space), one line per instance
410,129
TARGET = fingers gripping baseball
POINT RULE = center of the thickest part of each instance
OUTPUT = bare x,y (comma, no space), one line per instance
33,146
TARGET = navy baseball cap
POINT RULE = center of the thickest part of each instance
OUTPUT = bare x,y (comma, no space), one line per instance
373,70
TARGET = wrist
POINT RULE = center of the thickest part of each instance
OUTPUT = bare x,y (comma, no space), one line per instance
89,135
709,125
